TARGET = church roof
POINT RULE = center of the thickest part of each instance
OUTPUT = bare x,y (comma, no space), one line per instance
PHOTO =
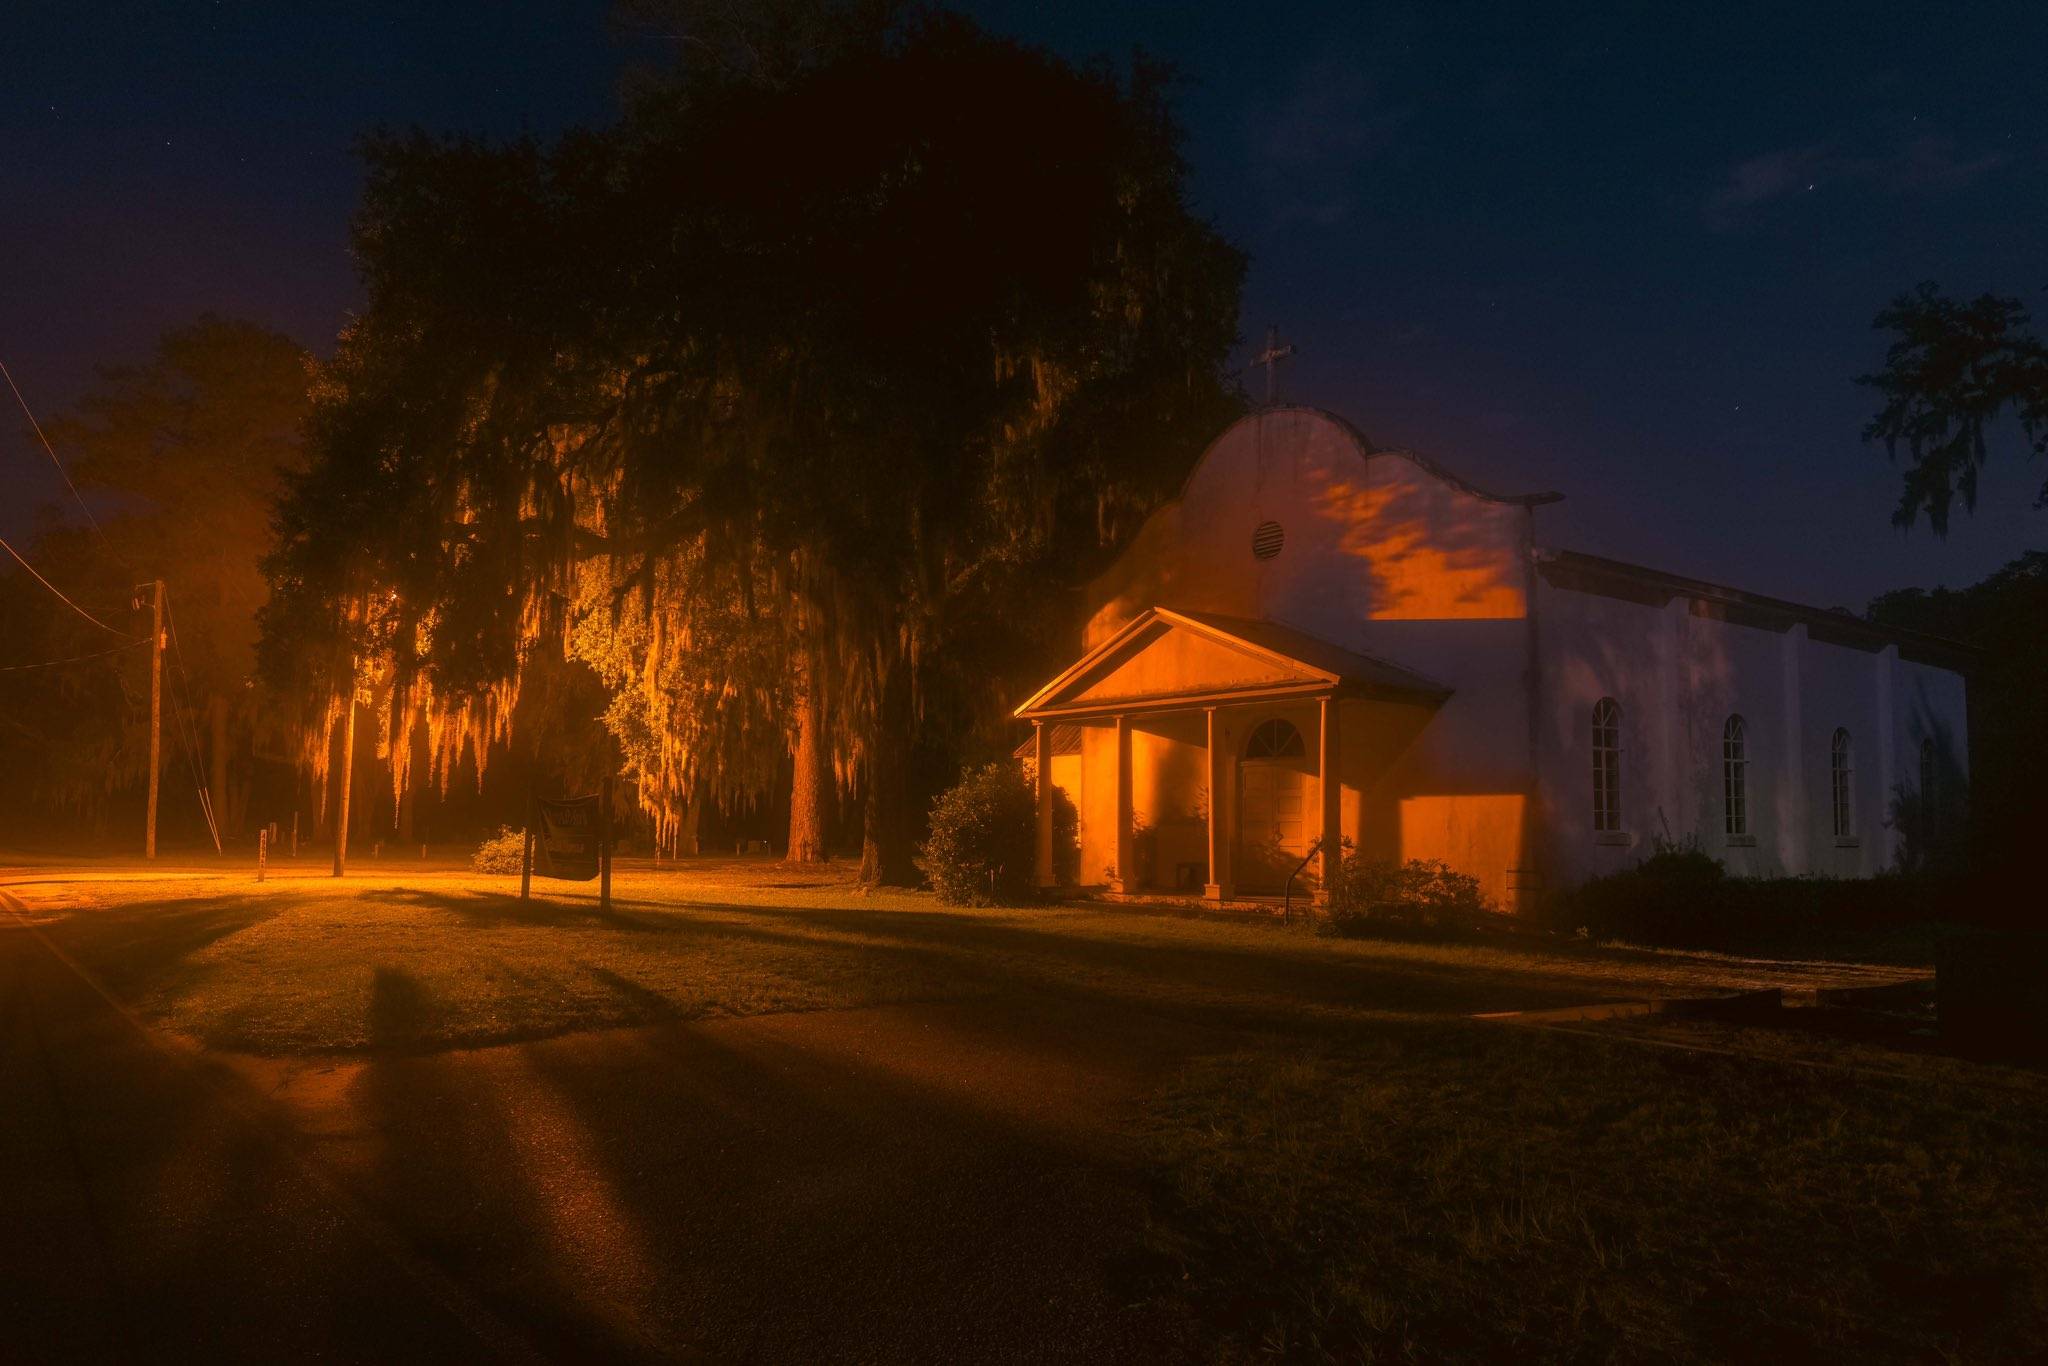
1166,660
1654,587
1368,451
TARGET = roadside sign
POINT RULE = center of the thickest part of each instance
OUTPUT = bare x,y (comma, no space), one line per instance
569,842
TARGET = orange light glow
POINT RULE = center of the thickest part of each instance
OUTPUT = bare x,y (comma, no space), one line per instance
1478,833
1433,554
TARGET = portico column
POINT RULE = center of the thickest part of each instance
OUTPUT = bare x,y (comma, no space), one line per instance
1219,888
1330,777
1042,861
1126,851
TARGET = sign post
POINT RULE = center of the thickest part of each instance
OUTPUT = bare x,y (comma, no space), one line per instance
262,852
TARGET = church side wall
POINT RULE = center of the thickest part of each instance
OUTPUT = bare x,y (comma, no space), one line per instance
1594,647
1842,694
1678,671
1729,671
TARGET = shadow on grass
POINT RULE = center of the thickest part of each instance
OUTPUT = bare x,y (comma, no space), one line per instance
1278,979
496,910
649,1005
651,961
1285,986
402,1016
147,946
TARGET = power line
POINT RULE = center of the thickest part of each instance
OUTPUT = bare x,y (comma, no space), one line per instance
75,659
181,688
61,471
60,593
181,703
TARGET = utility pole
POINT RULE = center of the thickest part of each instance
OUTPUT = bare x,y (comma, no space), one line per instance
348,759
156,709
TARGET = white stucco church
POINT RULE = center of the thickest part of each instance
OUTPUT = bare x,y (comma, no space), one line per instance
1319,638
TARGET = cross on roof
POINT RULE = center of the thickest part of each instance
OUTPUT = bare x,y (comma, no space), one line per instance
1271,358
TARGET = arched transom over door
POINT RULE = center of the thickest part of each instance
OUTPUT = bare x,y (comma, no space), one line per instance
1272,806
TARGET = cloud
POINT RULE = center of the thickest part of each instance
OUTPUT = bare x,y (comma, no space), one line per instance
1923,164
1931,163
1770,176
1311,146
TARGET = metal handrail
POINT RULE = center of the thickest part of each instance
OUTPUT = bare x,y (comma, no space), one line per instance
1315,847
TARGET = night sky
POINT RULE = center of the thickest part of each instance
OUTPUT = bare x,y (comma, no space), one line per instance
1631,259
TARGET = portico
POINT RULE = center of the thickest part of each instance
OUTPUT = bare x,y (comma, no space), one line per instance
1261,708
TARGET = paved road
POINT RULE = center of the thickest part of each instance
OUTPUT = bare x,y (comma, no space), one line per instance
156,1210
934,1182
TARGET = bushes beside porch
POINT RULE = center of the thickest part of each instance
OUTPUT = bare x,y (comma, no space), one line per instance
1379,896
984,837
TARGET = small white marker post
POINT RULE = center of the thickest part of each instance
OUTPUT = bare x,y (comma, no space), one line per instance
526,850
262,852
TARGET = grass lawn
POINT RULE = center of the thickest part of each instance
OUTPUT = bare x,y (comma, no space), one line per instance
1516,1193
422,959
1349,1167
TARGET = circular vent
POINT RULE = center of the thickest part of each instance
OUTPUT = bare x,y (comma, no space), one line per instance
1267,540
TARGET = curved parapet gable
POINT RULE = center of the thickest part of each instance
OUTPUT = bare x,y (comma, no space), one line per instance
1291,515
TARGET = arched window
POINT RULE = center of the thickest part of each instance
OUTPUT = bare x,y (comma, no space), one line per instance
1606,766
1841,779
1274,739
1930,791
1734,778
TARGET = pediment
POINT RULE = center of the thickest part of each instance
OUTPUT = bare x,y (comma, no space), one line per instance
1170,659
1165,658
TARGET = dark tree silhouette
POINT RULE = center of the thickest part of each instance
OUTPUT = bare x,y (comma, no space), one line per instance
1952,370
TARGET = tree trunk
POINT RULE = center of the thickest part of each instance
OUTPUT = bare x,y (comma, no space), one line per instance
810,788
346,779
217,756
405,817
886,853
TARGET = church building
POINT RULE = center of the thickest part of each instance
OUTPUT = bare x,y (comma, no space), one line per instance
1320,640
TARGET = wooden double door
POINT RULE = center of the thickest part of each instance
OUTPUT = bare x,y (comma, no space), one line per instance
1272,822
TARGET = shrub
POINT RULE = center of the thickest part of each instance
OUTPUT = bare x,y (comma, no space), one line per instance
503,852
1669,897
984,834
1378,895
1681,896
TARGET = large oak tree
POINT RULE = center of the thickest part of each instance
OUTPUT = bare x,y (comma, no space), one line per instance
878,355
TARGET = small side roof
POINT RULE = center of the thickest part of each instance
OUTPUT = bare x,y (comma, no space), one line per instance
1066,739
